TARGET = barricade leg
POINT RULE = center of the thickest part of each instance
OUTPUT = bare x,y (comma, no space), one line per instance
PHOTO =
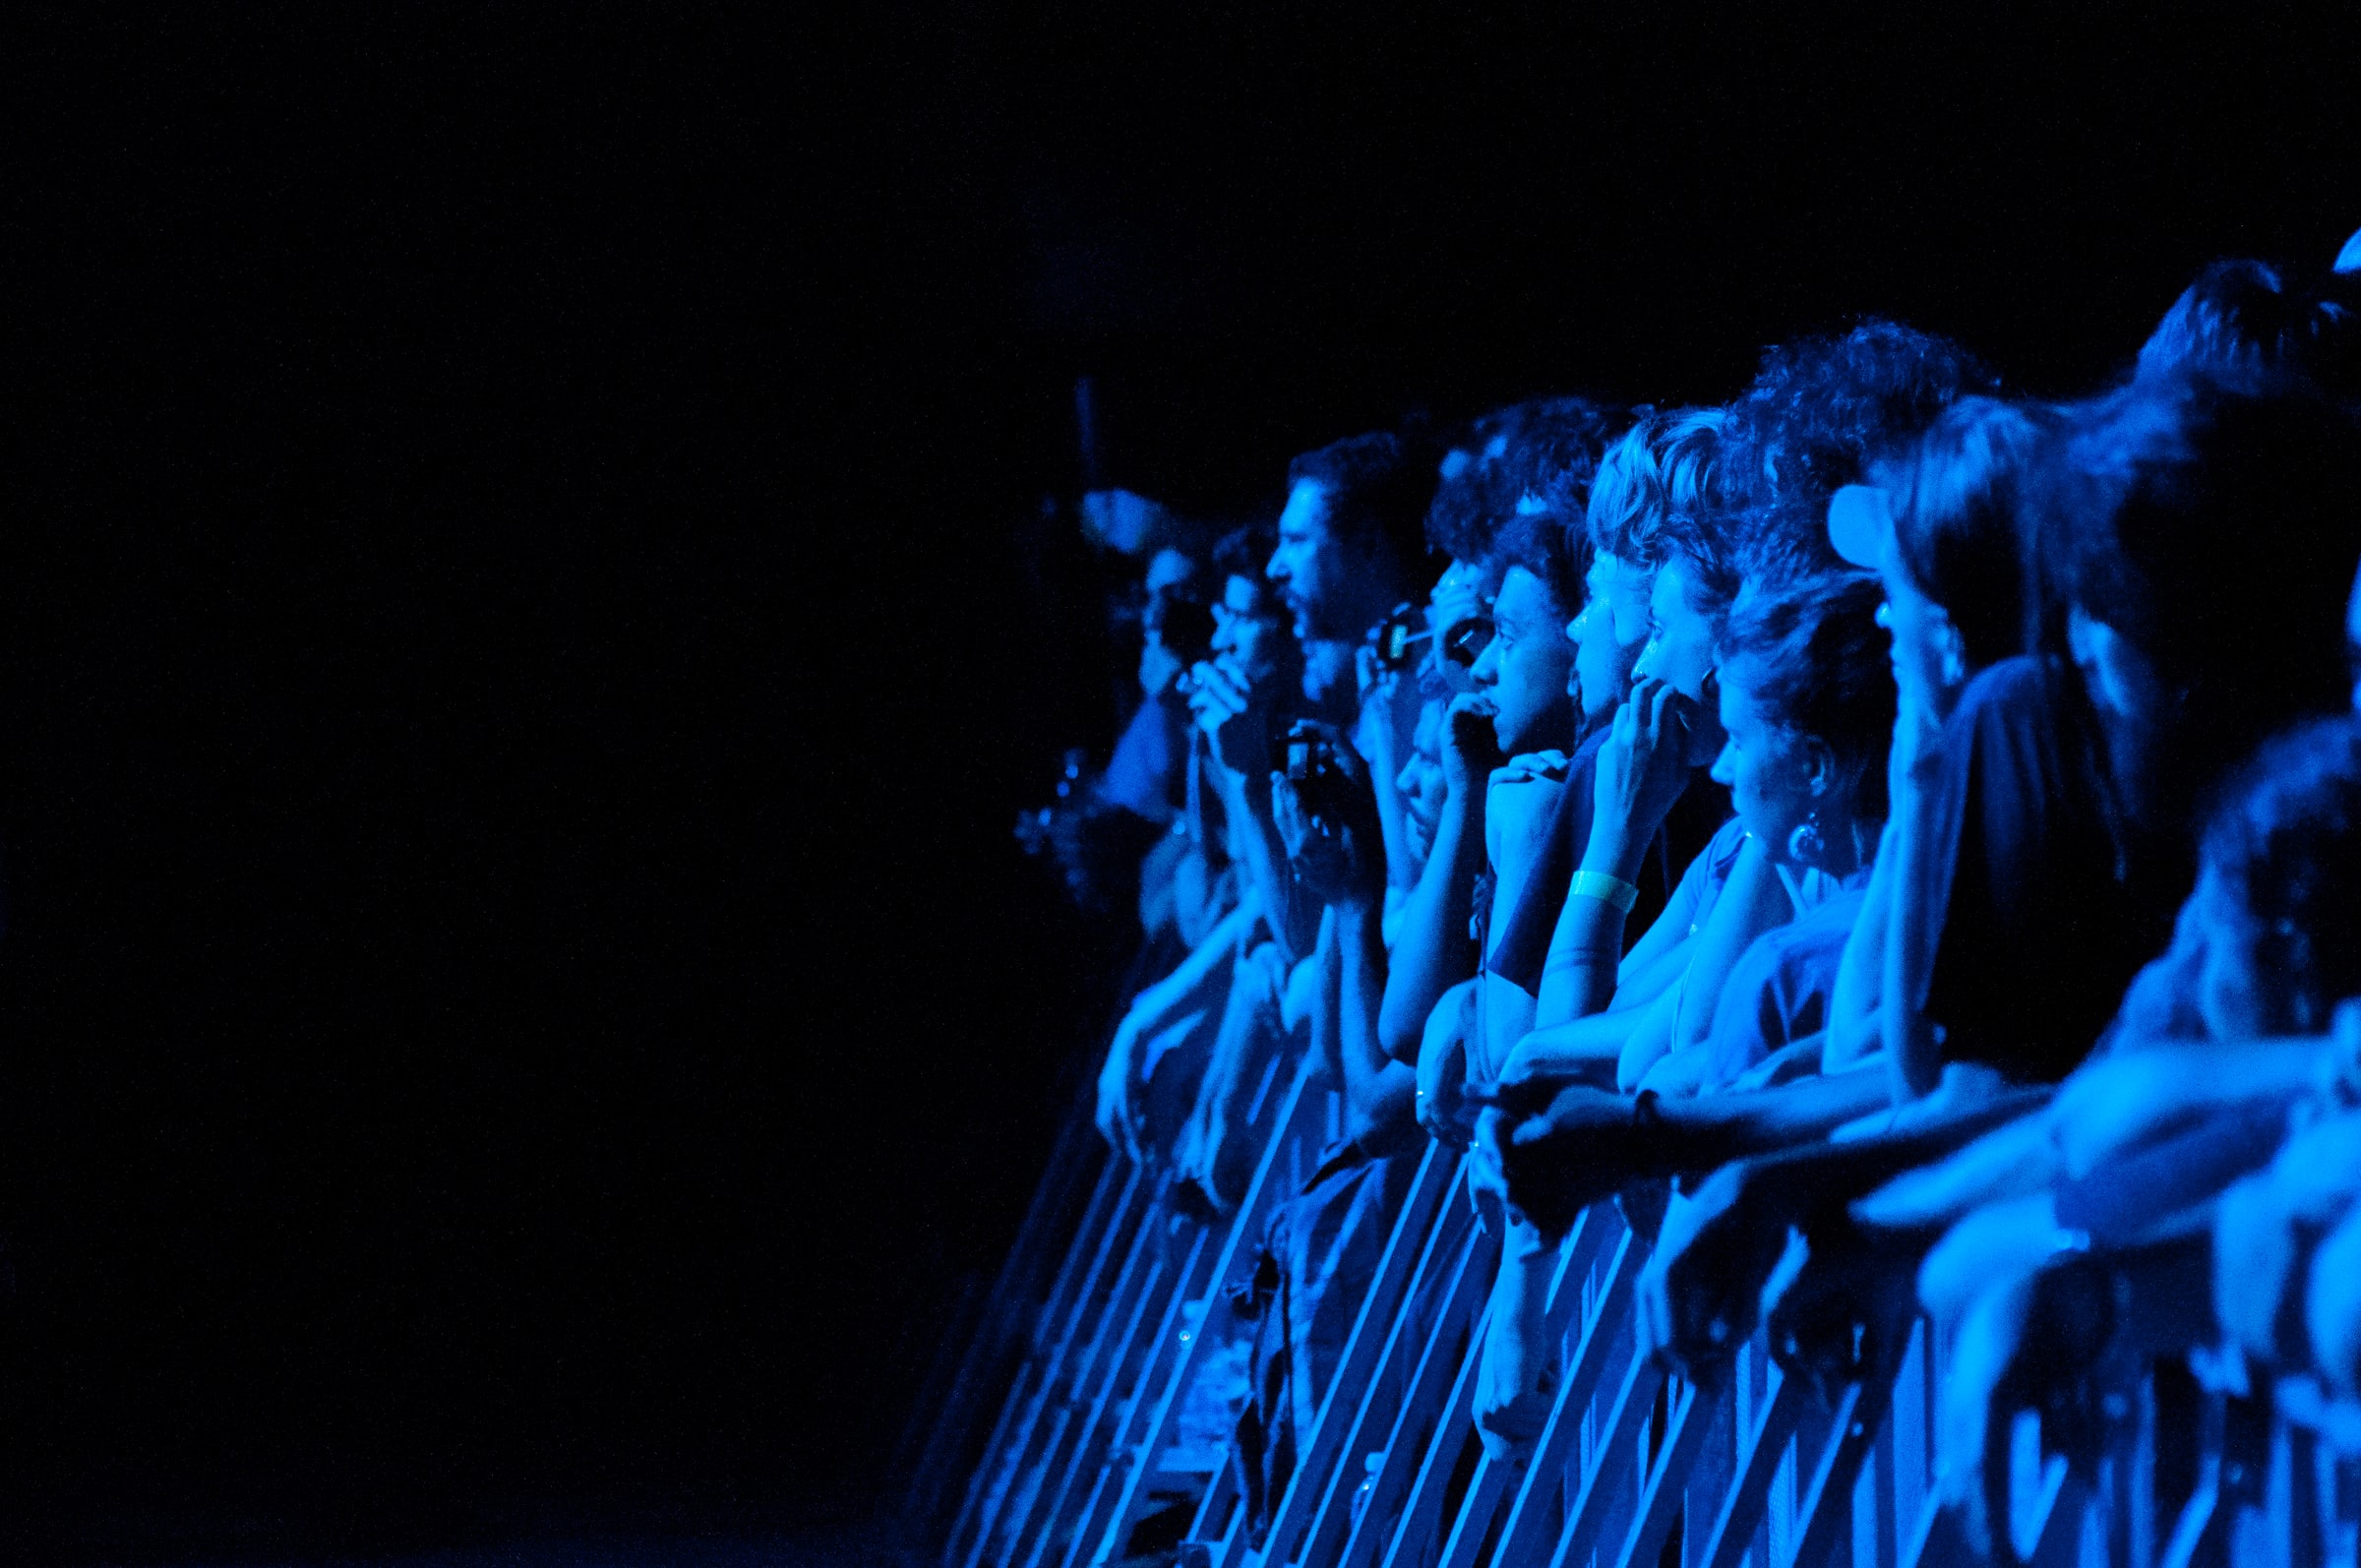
1136,1293
1317,1451
1296,1115
1425,1422
1524,1538
1122,1450
1430,1292
1023,1473
973,1516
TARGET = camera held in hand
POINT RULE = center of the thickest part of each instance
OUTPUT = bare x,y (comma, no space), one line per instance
1318,777
1398,636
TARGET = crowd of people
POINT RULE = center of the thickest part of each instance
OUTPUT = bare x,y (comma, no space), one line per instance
1898,840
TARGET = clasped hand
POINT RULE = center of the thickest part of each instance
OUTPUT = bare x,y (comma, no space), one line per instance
1470,749
1233,716
1698,1296
1562,1147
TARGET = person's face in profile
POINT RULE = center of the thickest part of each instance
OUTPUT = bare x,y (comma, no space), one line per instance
1306,566
1768,769
1608,635
1680,650
1524,668
1680,654
1244,627
1422,783
1929,665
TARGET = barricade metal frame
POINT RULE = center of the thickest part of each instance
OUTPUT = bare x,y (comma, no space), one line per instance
1633,1469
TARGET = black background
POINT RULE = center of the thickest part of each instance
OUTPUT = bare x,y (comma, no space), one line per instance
520,1005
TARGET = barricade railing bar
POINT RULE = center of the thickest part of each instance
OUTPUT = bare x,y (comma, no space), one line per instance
1633,1468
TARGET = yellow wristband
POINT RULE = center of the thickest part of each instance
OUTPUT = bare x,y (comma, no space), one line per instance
1606,889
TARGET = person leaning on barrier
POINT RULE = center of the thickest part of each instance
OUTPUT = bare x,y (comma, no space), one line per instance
1156,1062
1808,701
2177,470
1325,1244
1545,947
1336,568
2152,480
1351,522
1533,470
1521,697
1666,733
1807,706
2134,1257
1252,686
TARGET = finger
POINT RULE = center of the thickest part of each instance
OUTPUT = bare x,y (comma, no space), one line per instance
1660,705
1286,805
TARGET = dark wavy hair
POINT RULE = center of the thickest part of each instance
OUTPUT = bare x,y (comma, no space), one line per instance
2286,844
1821,410
1378,488
2219,533
1962,533
1810,649
1554,446
1541,539
1462,517
2251,326
1547,449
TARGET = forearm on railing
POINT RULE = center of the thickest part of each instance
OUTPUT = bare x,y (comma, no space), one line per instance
1432,952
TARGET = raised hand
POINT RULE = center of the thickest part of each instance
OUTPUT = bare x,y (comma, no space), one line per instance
1471,747
1643,766
1333,842
1459,615
1234,717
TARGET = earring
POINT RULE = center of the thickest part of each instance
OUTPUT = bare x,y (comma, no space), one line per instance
1805,845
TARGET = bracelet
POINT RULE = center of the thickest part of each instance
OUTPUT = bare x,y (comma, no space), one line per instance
1606,889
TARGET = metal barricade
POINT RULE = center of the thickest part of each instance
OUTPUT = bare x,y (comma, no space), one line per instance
1633,1468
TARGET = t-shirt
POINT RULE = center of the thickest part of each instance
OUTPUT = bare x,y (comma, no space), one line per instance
2043,909
1522,952
1779,991
1708,874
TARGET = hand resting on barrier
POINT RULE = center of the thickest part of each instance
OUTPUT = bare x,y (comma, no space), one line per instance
1702,1290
